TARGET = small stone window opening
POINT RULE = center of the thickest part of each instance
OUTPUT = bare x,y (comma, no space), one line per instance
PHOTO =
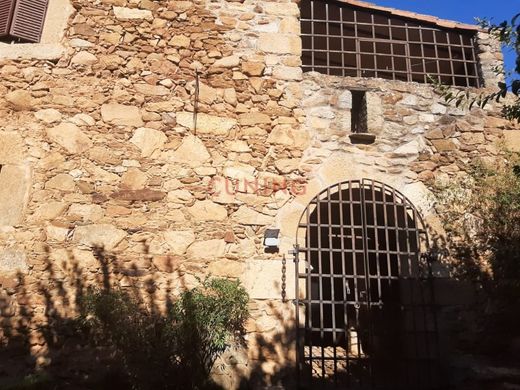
359,122
359,119
22,20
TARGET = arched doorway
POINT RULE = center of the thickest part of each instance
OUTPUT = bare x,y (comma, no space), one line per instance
366,318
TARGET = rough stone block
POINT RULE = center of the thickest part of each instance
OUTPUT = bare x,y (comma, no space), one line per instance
48,115
151,90
11,148
290,25
49,210
207,94
70,137
134,179
345,100
226,268
254,118
119,114
148,140
512,140
281,9
180,6
246,216
472,138
181,41
444,145
269,286
12,261
123,13
86,212
206,210
280,44
288,136
61,182
206,124
253,68
239,171
104,236
286,165
207,250
191,152
179,240
289,73
20,100
375,115
227,62
56,231
15,184
144,195
84,58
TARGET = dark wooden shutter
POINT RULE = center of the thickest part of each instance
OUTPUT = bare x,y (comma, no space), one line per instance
28,19
6,14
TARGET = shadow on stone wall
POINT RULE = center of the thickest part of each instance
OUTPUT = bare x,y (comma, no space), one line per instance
272,363
479,302
38,341
40,345
478,316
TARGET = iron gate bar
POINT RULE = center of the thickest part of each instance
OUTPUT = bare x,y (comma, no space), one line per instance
295,253
343,275
354,270
331,265
394,239
309,286
368,290
320,286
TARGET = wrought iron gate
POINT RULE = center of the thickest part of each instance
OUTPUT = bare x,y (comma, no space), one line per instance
365,309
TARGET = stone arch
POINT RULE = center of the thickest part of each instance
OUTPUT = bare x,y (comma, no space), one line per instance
340,167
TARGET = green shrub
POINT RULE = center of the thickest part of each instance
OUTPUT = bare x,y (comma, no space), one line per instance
206,319
37,381
481,213
174,350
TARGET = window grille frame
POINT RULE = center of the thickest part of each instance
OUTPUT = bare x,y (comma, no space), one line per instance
447,54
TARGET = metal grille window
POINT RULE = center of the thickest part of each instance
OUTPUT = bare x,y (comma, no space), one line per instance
22,20
344,40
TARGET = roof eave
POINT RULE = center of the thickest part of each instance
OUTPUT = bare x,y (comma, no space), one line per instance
412,15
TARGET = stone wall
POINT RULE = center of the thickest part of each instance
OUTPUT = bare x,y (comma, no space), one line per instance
106,179
419,140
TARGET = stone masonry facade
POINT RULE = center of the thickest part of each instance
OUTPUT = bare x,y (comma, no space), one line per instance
100,152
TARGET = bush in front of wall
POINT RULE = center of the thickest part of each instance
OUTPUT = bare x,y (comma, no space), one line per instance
172,350
481,215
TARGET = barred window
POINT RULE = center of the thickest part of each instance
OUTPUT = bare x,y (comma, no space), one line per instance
344,40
